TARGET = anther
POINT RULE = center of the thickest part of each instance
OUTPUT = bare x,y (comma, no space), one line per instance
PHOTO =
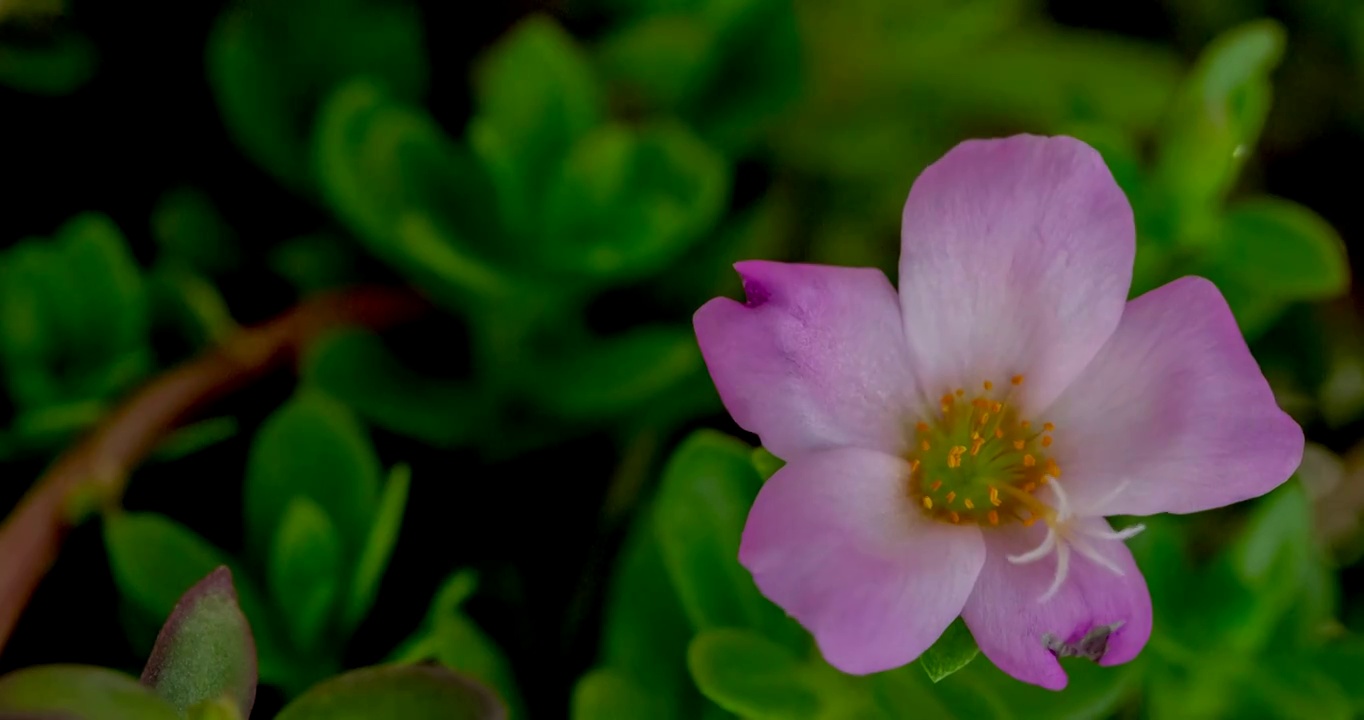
989,385
951,495
1048,427
969,505
922,427
993,516
1029,461
928,503
1017,379
954,516
1046,441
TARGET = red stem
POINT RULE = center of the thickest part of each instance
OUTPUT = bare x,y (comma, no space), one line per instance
98,466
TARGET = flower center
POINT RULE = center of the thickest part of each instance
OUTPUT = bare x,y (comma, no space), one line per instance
978,461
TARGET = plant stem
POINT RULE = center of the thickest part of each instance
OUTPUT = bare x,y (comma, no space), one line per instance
97,467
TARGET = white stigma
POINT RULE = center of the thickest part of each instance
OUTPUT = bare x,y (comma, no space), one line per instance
1064,535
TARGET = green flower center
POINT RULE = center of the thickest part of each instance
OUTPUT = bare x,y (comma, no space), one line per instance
978,461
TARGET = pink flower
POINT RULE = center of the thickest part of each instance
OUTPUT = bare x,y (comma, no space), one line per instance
953,449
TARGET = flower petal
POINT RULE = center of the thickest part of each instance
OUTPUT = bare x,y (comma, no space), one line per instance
835,540
1016,258
1013,628
815,359
1173,415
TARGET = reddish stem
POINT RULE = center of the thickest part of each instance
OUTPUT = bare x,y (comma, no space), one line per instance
98,466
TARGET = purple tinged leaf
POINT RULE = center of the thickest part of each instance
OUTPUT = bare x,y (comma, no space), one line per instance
205,650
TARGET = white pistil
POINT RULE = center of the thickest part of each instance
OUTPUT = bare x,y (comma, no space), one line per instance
1063,535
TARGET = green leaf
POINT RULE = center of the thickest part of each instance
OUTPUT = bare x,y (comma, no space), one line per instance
662,58
356,367
1044,78
949,653
536,96
608,695
193,438
311,447
155,560
272,64
451,638
416,200
88,693
188,228
754,70
305,571
405,691
751,676
611,376
215,709
378,548
314,263
647,642
1284,249
1215,119
205,650
699,514
113,305
1289,591
982,690
626,202
766,463
59,66
27,338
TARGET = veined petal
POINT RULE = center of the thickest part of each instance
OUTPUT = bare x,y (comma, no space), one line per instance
1173,415
815,359
1016,259
1094,612
835,540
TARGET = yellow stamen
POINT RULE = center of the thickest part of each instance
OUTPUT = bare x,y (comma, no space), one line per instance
1046,441
951,495
928,503
969,505
994,496
1048,427
1029,461
1017,379
994,517
989,385
1018,444
954,516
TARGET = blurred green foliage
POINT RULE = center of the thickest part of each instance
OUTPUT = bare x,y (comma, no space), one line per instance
614,159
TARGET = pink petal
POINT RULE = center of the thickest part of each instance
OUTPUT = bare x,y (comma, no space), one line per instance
835,540
1016,259
1012,627
1175,407
815,359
